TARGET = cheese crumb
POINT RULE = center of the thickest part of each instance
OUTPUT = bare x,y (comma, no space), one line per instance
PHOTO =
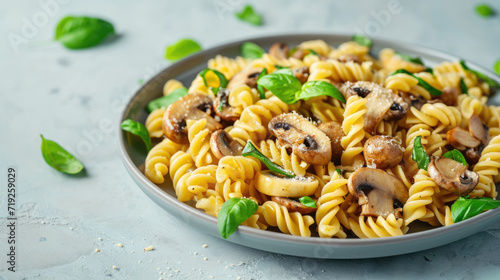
100,239
133,252
211,276
204,246
96,250
139,261
195,253
166,262
119,245
238,278
176,270
205,258
42,222
71,228
114,267
158,268
150,248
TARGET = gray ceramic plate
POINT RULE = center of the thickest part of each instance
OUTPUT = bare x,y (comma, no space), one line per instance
133,156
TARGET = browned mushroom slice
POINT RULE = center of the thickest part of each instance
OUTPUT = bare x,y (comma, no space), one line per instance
472,155
452,175
247,76
307,141
272,184
293,205
335,132
348,57
299,54
449,96
378,192
478,130
279,51
192,106
222,107
222,144
383,152
302,74
461,139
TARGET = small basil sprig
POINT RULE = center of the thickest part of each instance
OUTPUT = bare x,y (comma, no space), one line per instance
465,208
182,49
455,155
362,40
234,212
486,79
463,86
249,15
307,201
165,101
251,51
289,89
432,90
58,158
416,60
419,155
484,10
261,88
251,150
429,70
339,171
312,52
83,32
496,67
281,67
138,129
213,79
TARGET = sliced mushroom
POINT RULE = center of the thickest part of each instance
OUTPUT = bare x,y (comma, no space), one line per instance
472,155
306,140
378,192
449,96
461,139
222,107
279,51
478,130
299,54
335,132
192,106
302,74
452,175
348,57
293,205
383,152
222,144
247,76
272,184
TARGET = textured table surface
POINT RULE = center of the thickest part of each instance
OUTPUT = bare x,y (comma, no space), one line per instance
72,97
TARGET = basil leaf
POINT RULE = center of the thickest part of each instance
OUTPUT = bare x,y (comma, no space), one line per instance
138,129
419,155
286,71
486,79
281,67
432,90
312,52
249,15
307,201
339,171
251,150
251,51
283,86
213,79
497,67
484,10
60,159
165,101
455,155
416,60
463,86
261,88
429,70
465,208
181,49
319,88
82,32
362,40
234,212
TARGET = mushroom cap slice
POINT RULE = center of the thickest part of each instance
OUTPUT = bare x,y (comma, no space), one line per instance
272,184
293,205
279,51
222,107
378,192
452,175
192,106
307,141
461,139
382,152
248,76
222,144
478,130
335,132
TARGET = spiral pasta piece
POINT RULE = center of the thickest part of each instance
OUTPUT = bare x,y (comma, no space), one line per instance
281,157
211,204
370,227
202,179
390,60
332,195
241,97
227,66
158,160
420,195
470,105
434,114
235,177
333,70
353,129
181,166
171,85
199,142
154,123
290,223
319,46
487,168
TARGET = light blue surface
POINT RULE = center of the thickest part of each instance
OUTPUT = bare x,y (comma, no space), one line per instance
73,97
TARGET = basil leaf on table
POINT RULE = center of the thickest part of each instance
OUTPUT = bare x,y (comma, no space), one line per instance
251,150
234,212
496,67
432,90
419,155
307,201
165,101
182,49
455,155
262,93
486,79
416,60
320,88
138,129
484,10
251,51
60,159
463,86
362,40
82,32
465,208
213,79
249,15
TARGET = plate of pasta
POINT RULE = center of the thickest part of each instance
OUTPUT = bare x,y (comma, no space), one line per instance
324,146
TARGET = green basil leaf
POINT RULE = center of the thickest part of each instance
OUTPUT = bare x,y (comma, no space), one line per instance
208,76
251,150
497,67
484,10
292,51
362,40
416,60
249,15
251,51
281,67
138,129
339,171
429,70
311,52
283,86
319,88
419,155
432,90
463,86
486,79
307,201
165,101
261,88
455,155
181,49
60,159
82,32
234,212
465,208
286,71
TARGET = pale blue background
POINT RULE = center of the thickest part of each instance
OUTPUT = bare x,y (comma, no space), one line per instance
74,96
